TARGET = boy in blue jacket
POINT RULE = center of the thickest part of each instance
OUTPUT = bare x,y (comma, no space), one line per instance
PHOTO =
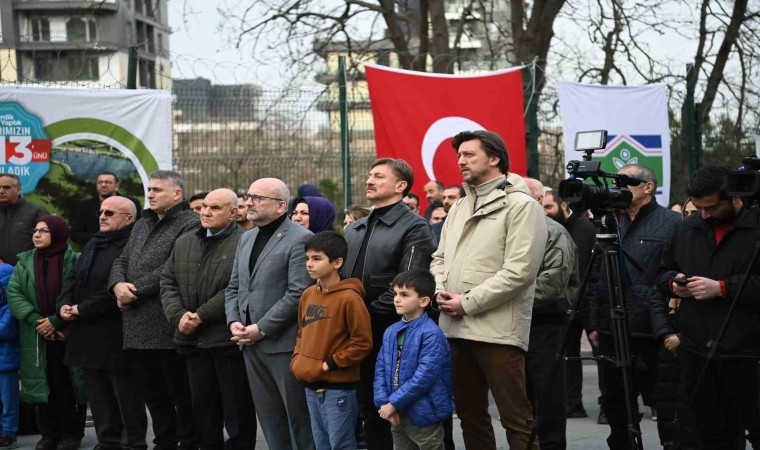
413,371
9,364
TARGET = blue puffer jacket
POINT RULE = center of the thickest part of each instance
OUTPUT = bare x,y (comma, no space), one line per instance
9,343
424,393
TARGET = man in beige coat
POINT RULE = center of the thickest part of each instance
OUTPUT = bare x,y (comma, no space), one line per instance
491,248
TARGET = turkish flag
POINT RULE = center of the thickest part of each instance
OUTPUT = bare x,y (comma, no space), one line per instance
416,115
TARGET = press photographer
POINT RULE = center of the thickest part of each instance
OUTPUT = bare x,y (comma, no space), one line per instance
643,228
704,264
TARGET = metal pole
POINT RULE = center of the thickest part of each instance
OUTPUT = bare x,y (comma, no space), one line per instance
344,147
532,141
132,68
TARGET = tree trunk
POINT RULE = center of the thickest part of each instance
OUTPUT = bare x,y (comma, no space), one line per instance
440,37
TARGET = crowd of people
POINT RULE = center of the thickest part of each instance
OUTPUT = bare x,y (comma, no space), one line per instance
222,311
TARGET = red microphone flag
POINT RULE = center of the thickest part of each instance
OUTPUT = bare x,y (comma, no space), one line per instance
416,114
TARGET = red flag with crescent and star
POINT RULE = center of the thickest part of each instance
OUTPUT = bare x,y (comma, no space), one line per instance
416,115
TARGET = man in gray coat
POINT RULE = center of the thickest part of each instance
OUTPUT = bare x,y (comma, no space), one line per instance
268,277
135,282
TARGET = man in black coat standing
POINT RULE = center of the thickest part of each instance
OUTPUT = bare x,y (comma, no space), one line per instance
95,332
643,228
392,239
710,252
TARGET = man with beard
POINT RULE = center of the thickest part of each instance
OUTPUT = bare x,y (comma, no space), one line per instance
241,216
584,235
85,222
710,252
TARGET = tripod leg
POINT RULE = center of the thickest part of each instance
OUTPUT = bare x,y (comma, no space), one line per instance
620,335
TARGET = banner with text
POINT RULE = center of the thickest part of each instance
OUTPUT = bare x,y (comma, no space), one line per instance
416,115
58,140
636,119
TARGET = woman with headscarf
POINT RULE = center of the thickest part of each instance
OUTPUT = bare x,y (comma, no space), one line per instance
315,213
45,380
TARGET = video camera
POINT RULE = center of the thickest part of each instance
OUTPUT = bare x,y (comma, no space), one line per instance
745,182
609,191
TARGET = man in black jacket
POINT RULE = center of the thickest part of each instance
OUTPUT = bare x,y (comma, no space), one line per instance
643,228
711,251
392,239
94,340
192,293
17,218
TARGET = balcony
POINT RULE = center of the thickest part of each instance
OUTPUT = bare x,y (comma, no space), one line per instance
68,5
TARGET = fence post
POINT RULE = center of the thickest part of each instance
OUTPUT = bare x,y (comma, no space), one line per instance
532,122
344,149
689,119
132,68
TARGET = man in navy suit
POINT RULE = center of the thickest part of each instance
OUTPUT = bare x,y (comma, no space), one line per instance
268,277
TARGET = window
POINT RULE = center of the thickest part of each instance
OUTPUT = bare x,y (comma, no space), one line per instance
80,30
66,67
40,29
147,74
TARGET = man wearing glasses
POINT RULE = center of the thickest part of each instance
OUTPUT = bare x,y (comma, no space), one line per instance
135,282
17,218
268,277
85,222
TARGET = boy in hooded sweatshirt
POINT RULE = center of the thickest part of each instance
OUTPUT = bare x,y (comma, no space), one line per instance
334,336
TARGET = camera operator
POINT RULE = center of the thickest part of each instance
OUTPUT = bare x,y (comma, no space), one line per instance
643,228
711,252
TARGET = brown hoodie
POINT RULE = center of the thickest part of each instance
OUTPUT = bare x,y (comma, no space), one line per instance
333,327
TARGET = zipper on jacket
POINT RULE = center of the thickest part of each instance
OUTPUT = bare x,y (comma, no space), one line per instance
411,258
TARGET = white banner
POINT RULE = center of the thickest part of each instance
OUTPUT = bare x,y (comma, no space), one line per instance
58,140
636,119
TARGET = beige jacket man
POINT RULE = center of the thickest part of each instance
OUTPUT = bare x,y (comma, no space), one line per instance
493,269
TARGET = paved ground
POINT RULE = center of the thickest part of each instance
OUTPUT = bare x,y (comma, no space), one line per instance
581,433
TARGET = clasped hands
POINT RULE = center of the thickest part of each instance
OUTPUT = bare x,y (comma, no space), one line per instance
125,294
48,331
189,322
245,335
450,304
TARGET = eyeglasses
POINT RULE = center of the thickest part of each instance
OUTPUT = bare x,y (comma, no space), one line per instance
109,213
258,198
40,231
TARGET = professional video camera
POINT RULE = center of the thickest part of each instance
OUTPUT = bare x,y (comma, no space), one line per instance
609,190
745,182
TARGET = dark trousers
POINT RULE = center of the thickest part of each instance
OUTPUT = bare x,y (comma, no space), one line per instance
376,429
549,404
643,379
221,398
117,408
478,368
725,400
61,417
163,374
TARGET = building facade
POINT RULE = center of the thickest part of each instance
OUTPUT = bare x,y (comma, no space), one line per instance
87,41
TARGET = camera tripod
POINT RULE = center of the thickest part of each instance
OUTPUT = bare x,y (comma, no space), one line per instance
608,247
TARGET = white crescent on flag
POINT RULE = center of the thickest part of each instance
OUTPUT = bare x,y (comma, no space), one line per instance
438,132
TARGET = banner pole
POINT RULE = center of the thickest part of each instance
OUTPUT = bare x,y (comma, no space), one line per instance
344,145
532,138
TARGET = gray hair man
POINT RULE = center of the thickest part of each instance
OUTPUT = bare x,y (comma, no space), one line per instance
192,293
17,218
136,282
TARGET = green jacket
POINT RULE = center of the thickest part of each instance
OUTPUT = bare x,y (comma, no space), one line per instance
22,299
